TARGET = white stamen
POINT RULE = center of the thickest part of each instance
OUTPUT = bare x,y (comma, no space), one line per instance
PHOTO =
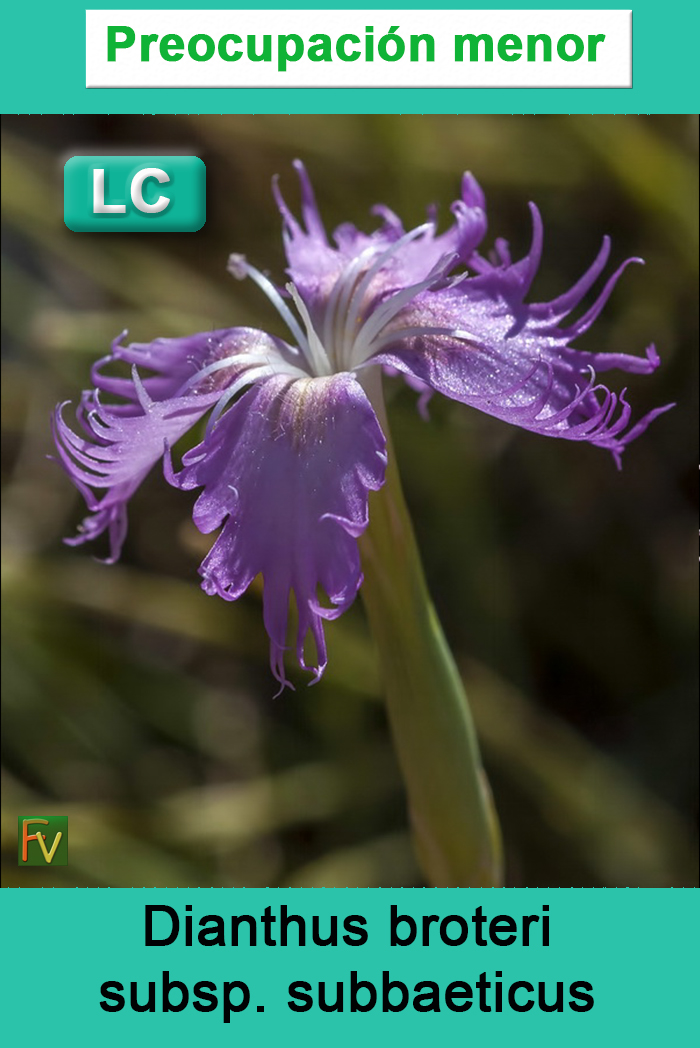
363,286
340,295
363,346
235,360
240,268
350,339
252,375
319,357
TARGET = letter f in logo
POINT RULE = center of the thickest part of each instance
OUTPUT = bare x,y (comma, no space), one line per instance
39,838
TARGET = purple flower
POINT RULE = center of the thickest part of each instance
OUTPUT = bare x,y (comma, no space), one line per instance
293,445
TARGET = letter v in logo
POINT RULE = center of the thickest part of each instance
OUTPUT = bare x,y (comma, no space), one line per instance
48,855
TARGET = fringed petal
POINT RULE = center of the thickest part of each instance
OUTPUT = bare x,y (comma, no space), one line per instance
118,444
287,471
479,342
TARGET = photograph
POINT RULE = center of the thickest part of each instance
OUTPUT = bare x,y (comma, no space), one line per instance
350,521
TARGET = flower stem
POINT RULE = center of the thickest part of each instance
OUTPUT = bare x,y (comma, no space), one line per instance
453,818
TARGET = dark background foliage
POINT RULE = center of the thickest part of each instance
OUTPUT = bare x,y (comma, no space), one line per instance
143,709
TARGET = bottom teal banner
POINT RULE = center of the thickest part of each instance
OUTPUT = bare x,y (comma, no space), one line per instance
573,966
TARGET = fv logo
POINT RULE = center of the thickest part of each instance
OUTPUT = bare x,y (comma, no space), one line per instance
42,841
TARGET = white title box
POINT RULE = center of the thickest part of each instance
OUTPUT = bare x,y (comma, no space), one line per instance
580,49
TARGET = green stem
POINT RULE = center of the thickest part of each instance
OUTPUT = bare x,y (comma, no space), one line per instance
454,822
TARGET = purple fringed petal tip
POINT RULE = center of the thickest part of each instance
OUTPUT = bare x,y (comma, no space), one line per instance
472,193
292,446
637,430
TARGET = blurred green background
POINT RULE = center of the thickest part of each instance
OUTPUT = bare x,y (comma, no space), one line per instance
143,709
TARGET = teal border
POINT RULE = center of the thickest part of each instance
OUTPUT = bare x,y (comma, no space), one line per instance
51,37
635,946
